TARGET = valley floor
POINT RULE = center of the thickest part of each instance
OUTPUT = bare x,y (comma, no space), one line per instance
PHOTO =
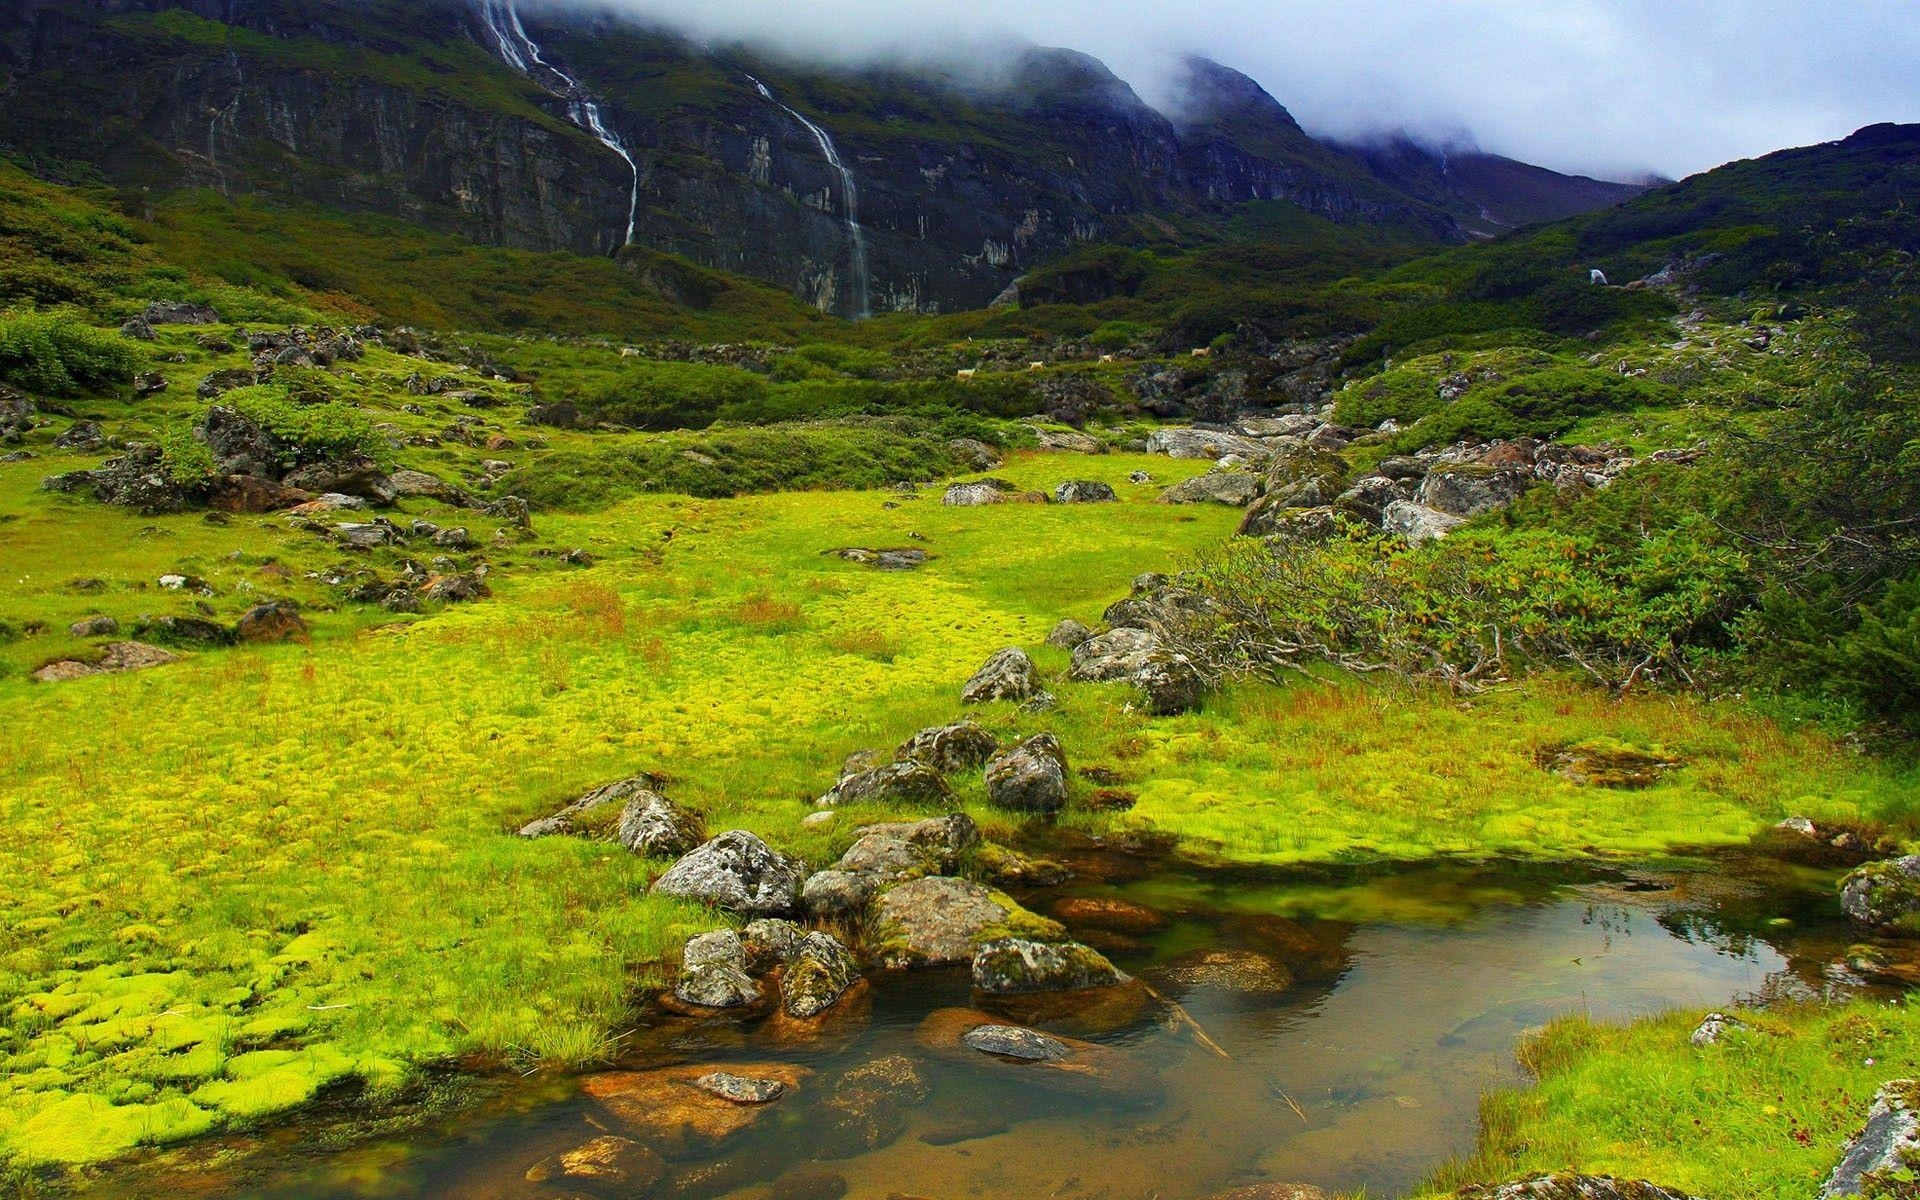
230,882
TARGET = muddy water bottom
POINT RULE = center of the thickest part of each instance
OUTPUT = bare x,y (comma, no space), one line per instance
1335,1032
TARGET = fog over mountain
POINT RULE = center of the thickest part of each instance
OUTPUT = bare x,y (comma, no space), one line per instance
1615,88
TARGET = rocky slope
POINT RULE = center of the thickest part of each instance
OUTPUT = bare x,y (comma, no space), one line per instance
876,191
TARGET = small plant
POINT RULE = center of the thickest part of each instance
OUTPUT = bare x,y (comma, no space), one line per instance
55,355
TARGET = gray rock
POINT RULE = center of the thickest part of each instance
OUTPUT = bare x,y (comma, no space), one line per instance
511,509
1083,491
1068,634
1012,1041
453,538
101,626
1800,826
138,328
1008,675
1882,893
740,1089
365,535
1284,425
977,492
406,483
1417,523
1714,1027
937,921
1071,441
1201,443
653,825
180,312
974,455
770,942
942,841
84,436
1465,490
1171,682
961,746
908,782
1031,777
883,560
713,972
1236,489
1016,966
1887,1146
736,871
1570,1186
819,973
137,479
1116,654
835,893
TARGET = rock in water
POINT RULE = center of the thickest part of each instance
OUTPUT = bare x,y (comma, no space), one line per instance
713,972
820,971
654,825
939,920
1883,893
736,871
605,1160
667,1110
1008,675
1012,966
1012,1041
867,1107
1886,1148
741,1089
1032,776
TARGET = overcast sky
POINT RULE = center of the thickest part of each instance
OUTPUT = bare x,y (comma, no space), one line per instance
1609,87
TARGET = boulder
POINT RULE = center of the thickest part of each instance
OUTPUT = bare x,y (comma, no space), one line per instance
1570,1186
939,920
735,871
137,479
1116,654
1008,675
943,840
1883,894
835,893
1882,1157
973,454
253,494
1236,972
1306,525
114,658
512,509
406,483
1160,606
1031,777
238,443
83,436
1068,634
1071,441
354,476
1713,1028
186,631
1417,523
998,864
1306,477
101,626
1468,489
668,1111
1083,491
713,973
961,746
820,971
1179,442
1012,966
366,535
179,312
1236,489
274,621
909,782
655,826
977,492
770,942
137,328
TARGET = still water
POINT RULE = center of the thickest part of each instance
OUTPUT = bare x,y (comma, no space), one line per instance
1323,1030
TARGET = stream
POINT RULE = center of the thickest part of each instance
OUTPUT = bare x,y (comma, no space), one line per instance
1355,1018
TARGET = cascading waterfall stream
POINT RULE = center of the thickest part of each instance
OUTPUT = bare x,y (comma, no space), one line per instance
519,51
849,203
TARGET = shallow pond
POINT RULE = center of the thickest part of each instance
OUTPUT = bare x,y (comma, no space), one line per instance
1330,1030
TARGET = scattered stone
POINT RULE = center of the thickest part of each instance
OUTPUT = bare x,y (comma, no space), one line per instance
1139,477
453,538
819,973
937,921
961,746
1800,826
1011,966
1008,675
1068,634
1715,1027
1070,440
713,972
974,455
1569,1186
101,626
137,328
883,560
1468,489
978,492
1271,1191
1031,777
1417,523
1882,1157
908,782
740,1089
114,658
653,825
1083,491
1883,894
186,631
735,871
366,535
274,621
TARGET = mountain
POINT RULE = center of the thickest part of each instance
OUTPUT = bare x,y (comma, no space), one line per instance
883,189
1486,193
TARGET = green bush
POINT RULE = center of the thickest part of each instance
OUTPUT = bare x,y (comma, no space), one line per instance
55,355
308,432
674,395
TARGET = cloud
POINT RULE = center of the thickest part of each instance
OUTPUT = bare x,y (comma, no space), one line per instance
1609,87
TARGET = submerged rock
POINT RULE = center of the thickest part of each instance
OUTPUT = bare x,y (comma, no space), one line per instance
1243,972
667,1110
1119,916
1068,1065
604,1161
735,871
867,1107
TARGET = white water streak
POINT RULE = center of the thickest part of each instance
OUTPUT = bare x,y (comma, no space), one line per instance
849,203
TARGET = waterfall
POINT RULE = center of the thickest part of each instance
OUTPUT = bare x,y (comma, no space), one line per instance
519,51
849,203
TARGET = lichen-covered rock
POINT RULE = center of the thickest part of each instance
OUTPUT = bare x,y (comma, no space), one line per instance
735,871
1083,491
1468,489
653,825
740,1089
1180,442
1268,519
820,971
770,942
1116,654
1417,523
594,813
938,841
1883,894
1570,1186
713,972
908,782
1068,634
1011,966
1008,675
1713,1028
836,893
939,920
1306,477
1031,777
961,746
1235,489
978,492
999,864
1886,1148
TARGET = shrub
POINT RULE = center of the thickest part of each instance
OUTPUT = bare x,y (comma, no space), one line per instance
56,355
673,395
310,432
